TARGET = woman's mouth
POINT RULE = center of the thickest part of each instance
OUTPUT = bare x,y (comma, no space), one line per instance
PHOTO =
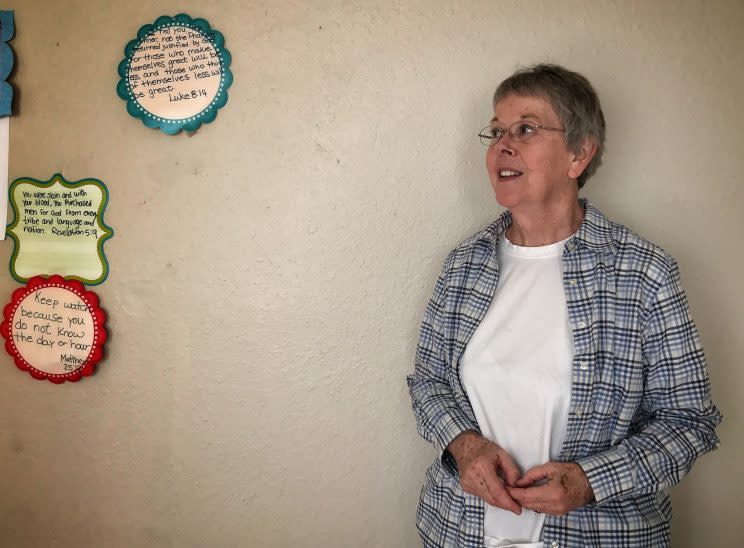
508,174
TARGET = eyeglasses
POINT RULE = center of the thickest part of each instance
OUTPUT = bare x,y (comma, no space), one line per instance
518,131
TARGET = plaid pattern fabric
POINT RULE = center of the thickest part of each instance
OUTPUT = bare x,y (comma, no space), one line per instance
640,410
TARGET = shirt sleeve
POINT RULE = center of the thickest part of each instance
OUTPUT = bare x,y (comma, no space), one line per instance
439,418
678,418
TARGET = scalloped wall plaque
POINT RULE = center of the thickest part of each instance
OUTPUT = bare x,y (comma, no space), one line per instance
58,228
175,74
54,329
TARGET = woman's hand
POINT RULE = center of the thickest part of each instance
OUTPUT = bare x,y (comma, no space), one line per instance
553,488
484,467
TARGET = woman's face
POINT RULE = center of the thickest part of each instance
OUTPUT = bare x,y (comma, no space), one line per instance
544,166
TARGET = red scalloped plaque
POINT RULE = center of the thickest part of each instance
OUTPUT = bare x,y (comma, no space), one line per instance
53,329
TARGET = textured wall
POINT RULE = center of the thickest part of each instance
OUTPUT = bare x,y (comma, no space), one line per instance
268,273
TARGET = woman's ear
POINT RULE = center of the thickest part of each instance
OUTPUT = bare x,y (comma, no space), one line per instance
581,159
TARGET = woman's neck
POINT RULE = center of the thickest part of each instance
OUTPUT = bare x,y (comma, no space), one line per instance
544,226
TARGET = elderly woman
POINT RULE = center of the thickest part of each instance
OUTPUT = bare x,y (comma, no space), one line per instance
558,373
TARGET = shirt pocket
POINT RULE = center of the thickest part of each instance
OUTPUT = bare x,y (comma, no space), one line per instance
617,393
441,505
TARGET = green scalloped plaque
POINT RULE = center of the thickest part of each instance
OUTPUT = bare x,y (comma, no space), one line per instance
175,74
58,228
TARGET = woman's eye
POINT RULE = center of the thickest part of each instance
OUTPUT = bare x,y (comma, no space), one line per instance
496,132
525,129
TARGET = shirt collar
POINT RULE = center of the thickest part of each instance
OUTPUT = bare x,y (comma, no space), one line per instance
595,231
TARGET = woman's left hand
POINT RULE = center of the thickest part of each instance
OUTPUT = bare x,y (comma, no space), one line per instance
553,488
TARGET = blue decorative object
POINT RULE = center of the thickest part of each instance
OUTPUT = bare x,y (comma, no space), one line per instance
175,74
7,29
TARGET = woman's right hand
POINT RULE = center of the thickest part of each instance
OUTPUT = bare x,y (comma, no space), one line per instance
484,467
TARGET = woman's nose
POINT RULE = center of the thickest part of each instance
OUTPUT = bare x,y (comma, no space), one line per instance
504,146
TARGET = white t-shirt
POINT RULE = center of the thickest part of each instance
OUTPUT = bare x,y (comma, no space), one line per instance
516,371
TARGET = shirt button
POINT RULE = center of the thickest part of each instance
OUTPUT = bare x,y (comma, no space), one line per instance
582,324
553,544
584,365
572,282
578,411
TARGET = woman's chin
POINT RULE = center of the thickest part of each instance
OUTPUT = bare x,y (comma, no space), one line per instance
507,199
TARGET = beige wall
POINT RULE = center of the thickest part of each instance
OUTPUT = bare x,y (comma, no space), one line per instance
268,273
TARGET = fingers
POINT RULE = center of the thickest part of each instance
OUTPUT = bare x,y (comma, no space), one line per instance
481,472
534,490
552,488
483,482
532,475
498,496
509,469
506,502
545,499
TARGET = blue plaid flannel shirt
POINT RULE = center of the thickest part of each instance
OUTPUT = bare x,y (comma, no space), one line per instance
640,412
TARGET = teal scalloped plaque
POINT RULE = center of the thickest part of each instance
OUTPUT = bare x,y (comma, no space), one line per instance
175,74
58,228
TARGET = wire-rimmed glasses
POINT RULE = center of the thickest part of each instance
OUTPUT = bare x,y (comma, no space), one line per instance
518,131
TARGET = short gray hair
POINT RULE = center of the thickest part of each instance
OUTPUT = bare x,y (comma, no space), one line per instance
572,97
